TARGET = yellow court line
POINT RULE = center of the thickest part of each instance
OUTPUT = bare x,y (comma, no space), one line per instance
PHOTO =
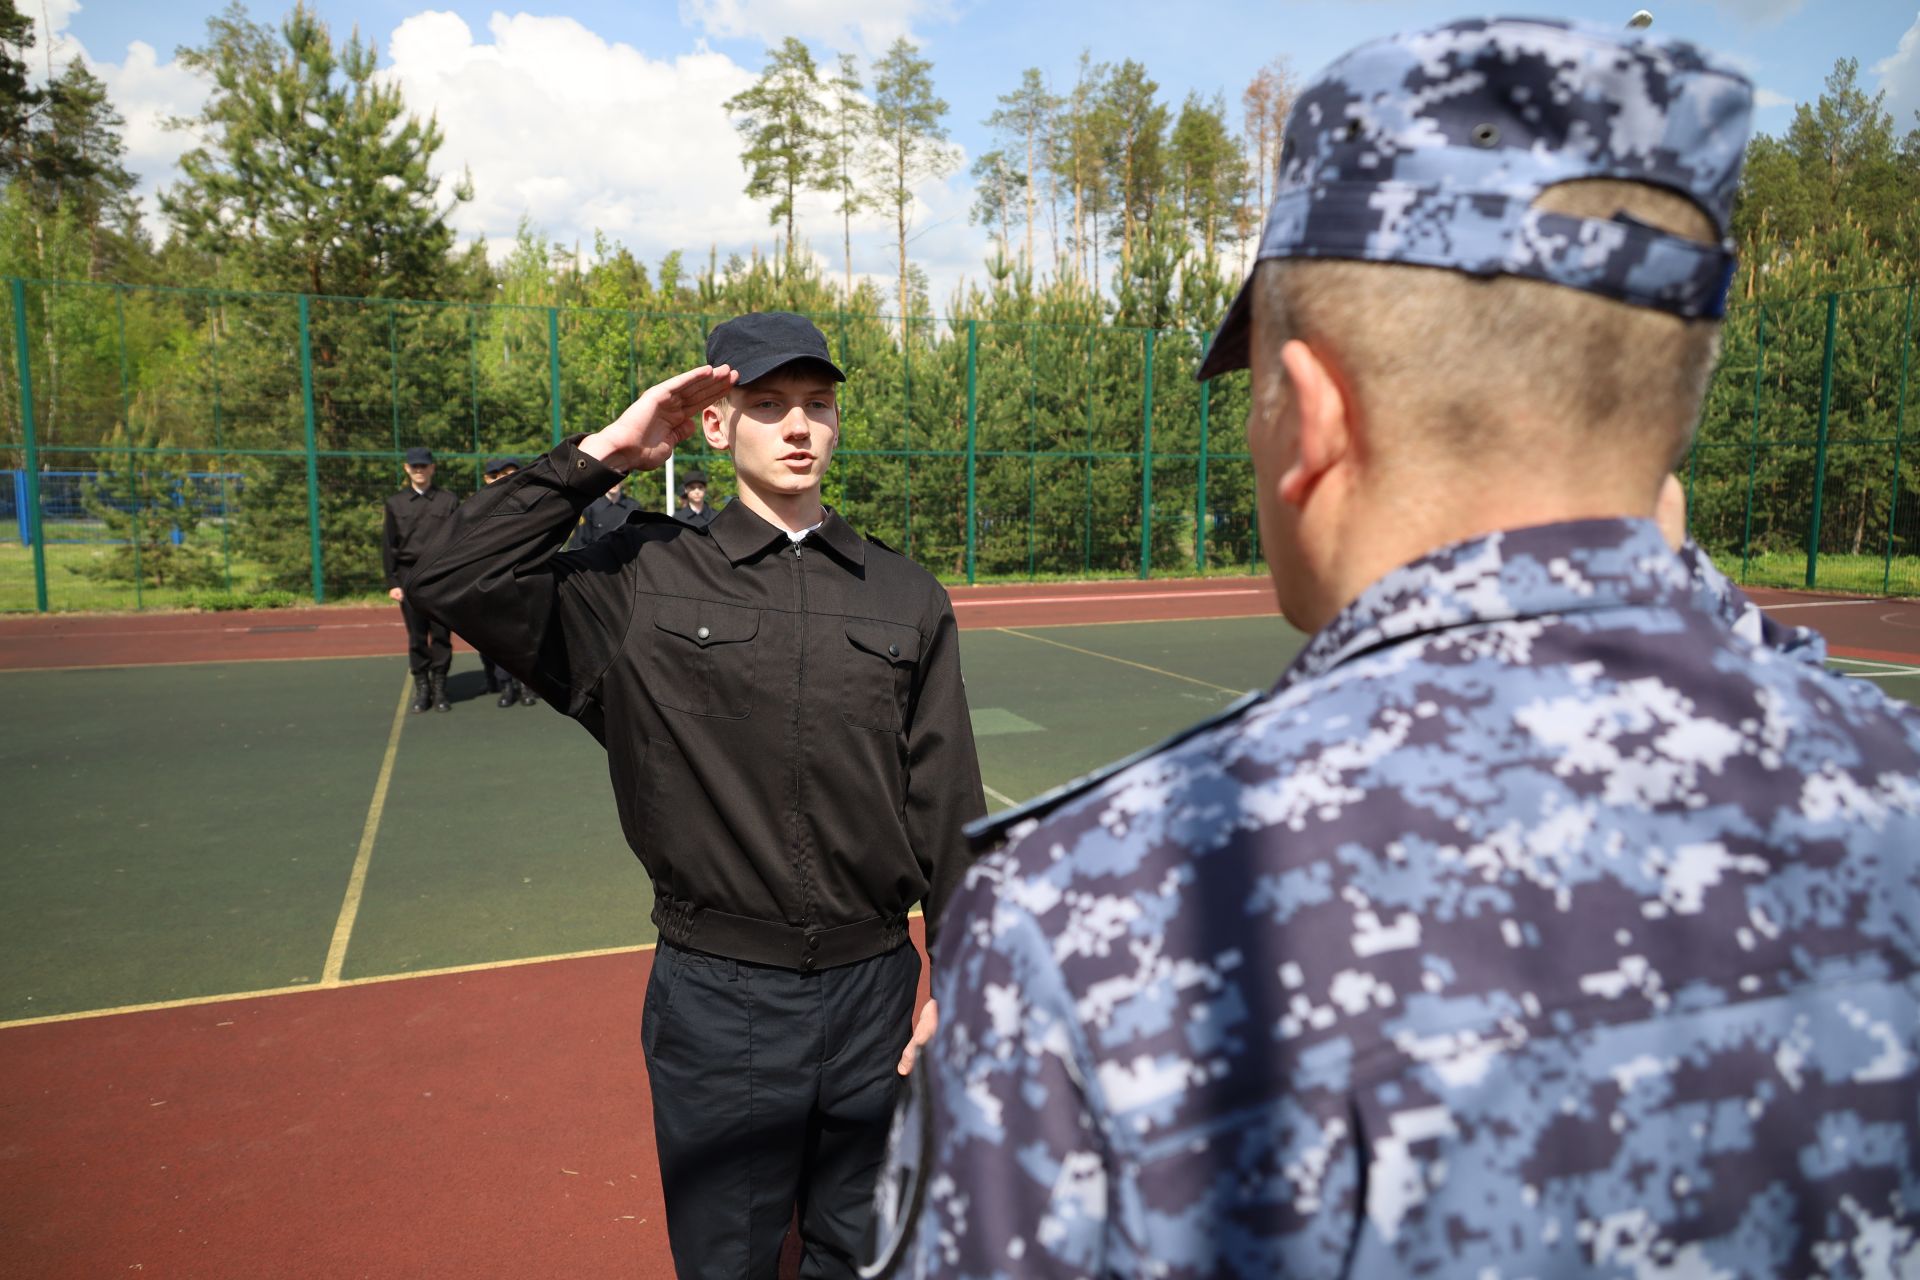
357,882
1001,796
1125,662
229,997
484,966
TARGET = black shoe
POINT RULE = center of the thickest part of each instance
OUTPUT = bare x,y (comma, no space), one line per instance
526,697
439,681
511,694
422,695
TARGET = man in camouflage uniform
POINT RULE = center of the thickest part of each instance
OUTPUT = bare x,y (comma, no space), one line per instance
1553,914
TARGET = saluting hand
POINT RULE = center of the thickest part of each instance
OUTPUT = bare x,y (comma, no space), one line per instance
643,438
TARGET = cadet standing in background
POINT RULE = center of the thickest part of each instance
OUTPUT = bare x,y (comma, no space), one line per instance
603,515
415,517
693,508
499,679
1548,917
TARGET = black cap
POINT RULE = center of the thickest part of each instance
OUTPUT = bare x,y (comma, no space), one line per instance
499,464
688,479
419,456
760,342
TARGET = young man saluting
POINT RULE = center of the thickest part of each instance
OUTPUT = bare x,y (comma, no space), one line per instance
781,705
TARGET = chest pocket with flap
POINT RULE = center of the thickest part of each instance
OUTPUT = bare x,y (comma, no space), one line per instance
881,660
702,656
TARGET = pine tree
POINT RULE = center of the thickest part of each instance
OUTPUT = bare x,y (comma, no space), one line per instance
840,154
315,177
1209,170
780,120
909,142
1023,120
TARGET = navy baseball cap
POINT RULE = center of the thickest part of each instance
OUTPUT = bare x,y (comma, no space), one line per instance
419,456
758,343
1430,149
495,465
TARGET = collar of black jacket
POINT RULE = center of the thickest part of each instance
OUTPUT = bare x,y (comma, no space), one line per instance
742,534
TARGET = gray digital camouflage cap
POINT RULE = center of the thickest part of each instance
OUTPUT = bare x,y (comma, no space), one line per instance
1430,149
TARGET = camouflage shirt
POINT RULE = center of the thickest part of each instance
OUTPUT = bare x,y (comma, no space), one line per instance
1548,917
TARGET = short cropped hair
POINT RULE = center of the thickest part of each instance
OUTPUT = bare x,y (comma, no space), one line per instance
1452,357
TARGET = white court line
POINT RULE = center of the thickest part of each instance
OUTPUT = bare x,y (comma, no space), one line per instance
1818,604
1128,595
1890,668
1001,796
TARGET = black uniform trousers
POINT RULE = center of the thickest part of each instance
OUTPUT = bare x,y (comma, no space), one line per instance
772,1091
429,643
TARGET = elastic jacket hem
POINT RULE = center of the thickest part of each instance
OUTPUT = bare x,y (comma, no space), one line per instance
788,946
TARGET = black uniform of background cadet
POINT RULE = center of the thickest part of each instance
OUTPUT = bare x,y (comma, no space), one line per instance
499,679
781,705
603,515
415,517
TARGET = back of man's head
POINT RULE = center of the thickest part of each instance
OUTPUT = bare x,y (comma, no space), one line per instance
1510,239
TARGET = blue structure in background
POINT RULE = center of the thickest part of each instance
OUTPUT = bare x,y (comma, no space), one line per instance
66,518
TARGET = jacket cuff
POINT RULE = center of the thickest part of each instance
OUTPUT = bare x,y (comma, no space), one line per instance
581,472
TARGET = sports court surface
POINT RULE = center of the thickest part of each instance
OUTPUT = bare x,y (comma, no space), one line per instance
293,983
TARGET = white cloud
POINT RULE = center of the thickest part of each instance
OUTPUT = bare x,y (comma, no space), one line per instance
579,133
1763,98
1900,78
871,24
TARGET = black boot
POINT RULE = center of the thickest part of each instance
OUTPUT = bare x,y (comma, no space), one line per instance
422,695
440,703
526,696
511,694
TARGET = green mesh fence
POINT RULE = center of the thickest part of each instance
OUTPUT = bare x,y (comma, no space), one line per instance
160,444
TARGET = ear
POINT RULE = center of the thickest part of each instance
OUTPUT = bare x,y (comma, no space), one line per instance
716,425
1325,432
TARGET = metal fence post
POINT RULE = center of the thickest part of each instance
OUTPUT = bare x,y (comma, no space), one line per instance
313,457
1820,455
973,432
133,457
1753,443
553,368
393,374
24,360
1146,464
1200,498
1899,430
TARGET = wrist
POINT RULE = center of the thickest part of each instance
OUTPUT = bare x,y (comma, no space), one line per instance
601,449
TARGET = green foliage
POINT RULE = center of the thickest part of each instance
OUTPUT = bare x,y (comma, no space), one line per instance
314,177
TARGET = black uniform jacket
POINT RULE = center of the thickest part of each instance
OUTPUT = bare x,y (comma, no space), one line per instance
602,516
414,520
703,516
785,726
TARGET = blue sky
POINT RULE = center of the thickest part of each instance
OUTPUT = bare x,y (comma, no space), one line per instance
600,114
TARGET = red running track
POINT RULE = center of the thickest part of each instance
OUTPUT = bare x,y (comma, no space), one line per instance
493,1123
1883,630
32,642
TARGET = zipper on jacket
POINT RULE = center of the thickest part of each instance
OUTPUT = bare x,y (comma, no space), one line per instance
797,816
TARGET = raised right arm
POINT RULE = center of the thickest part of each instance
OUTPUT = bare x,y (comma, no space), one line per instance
495,578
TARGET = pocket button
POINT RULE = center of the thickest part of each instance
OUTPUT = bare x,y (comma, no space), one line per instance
703,633
893,650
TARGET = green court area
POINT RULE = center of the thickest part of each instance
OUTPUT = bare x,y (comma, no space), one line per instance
181,832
